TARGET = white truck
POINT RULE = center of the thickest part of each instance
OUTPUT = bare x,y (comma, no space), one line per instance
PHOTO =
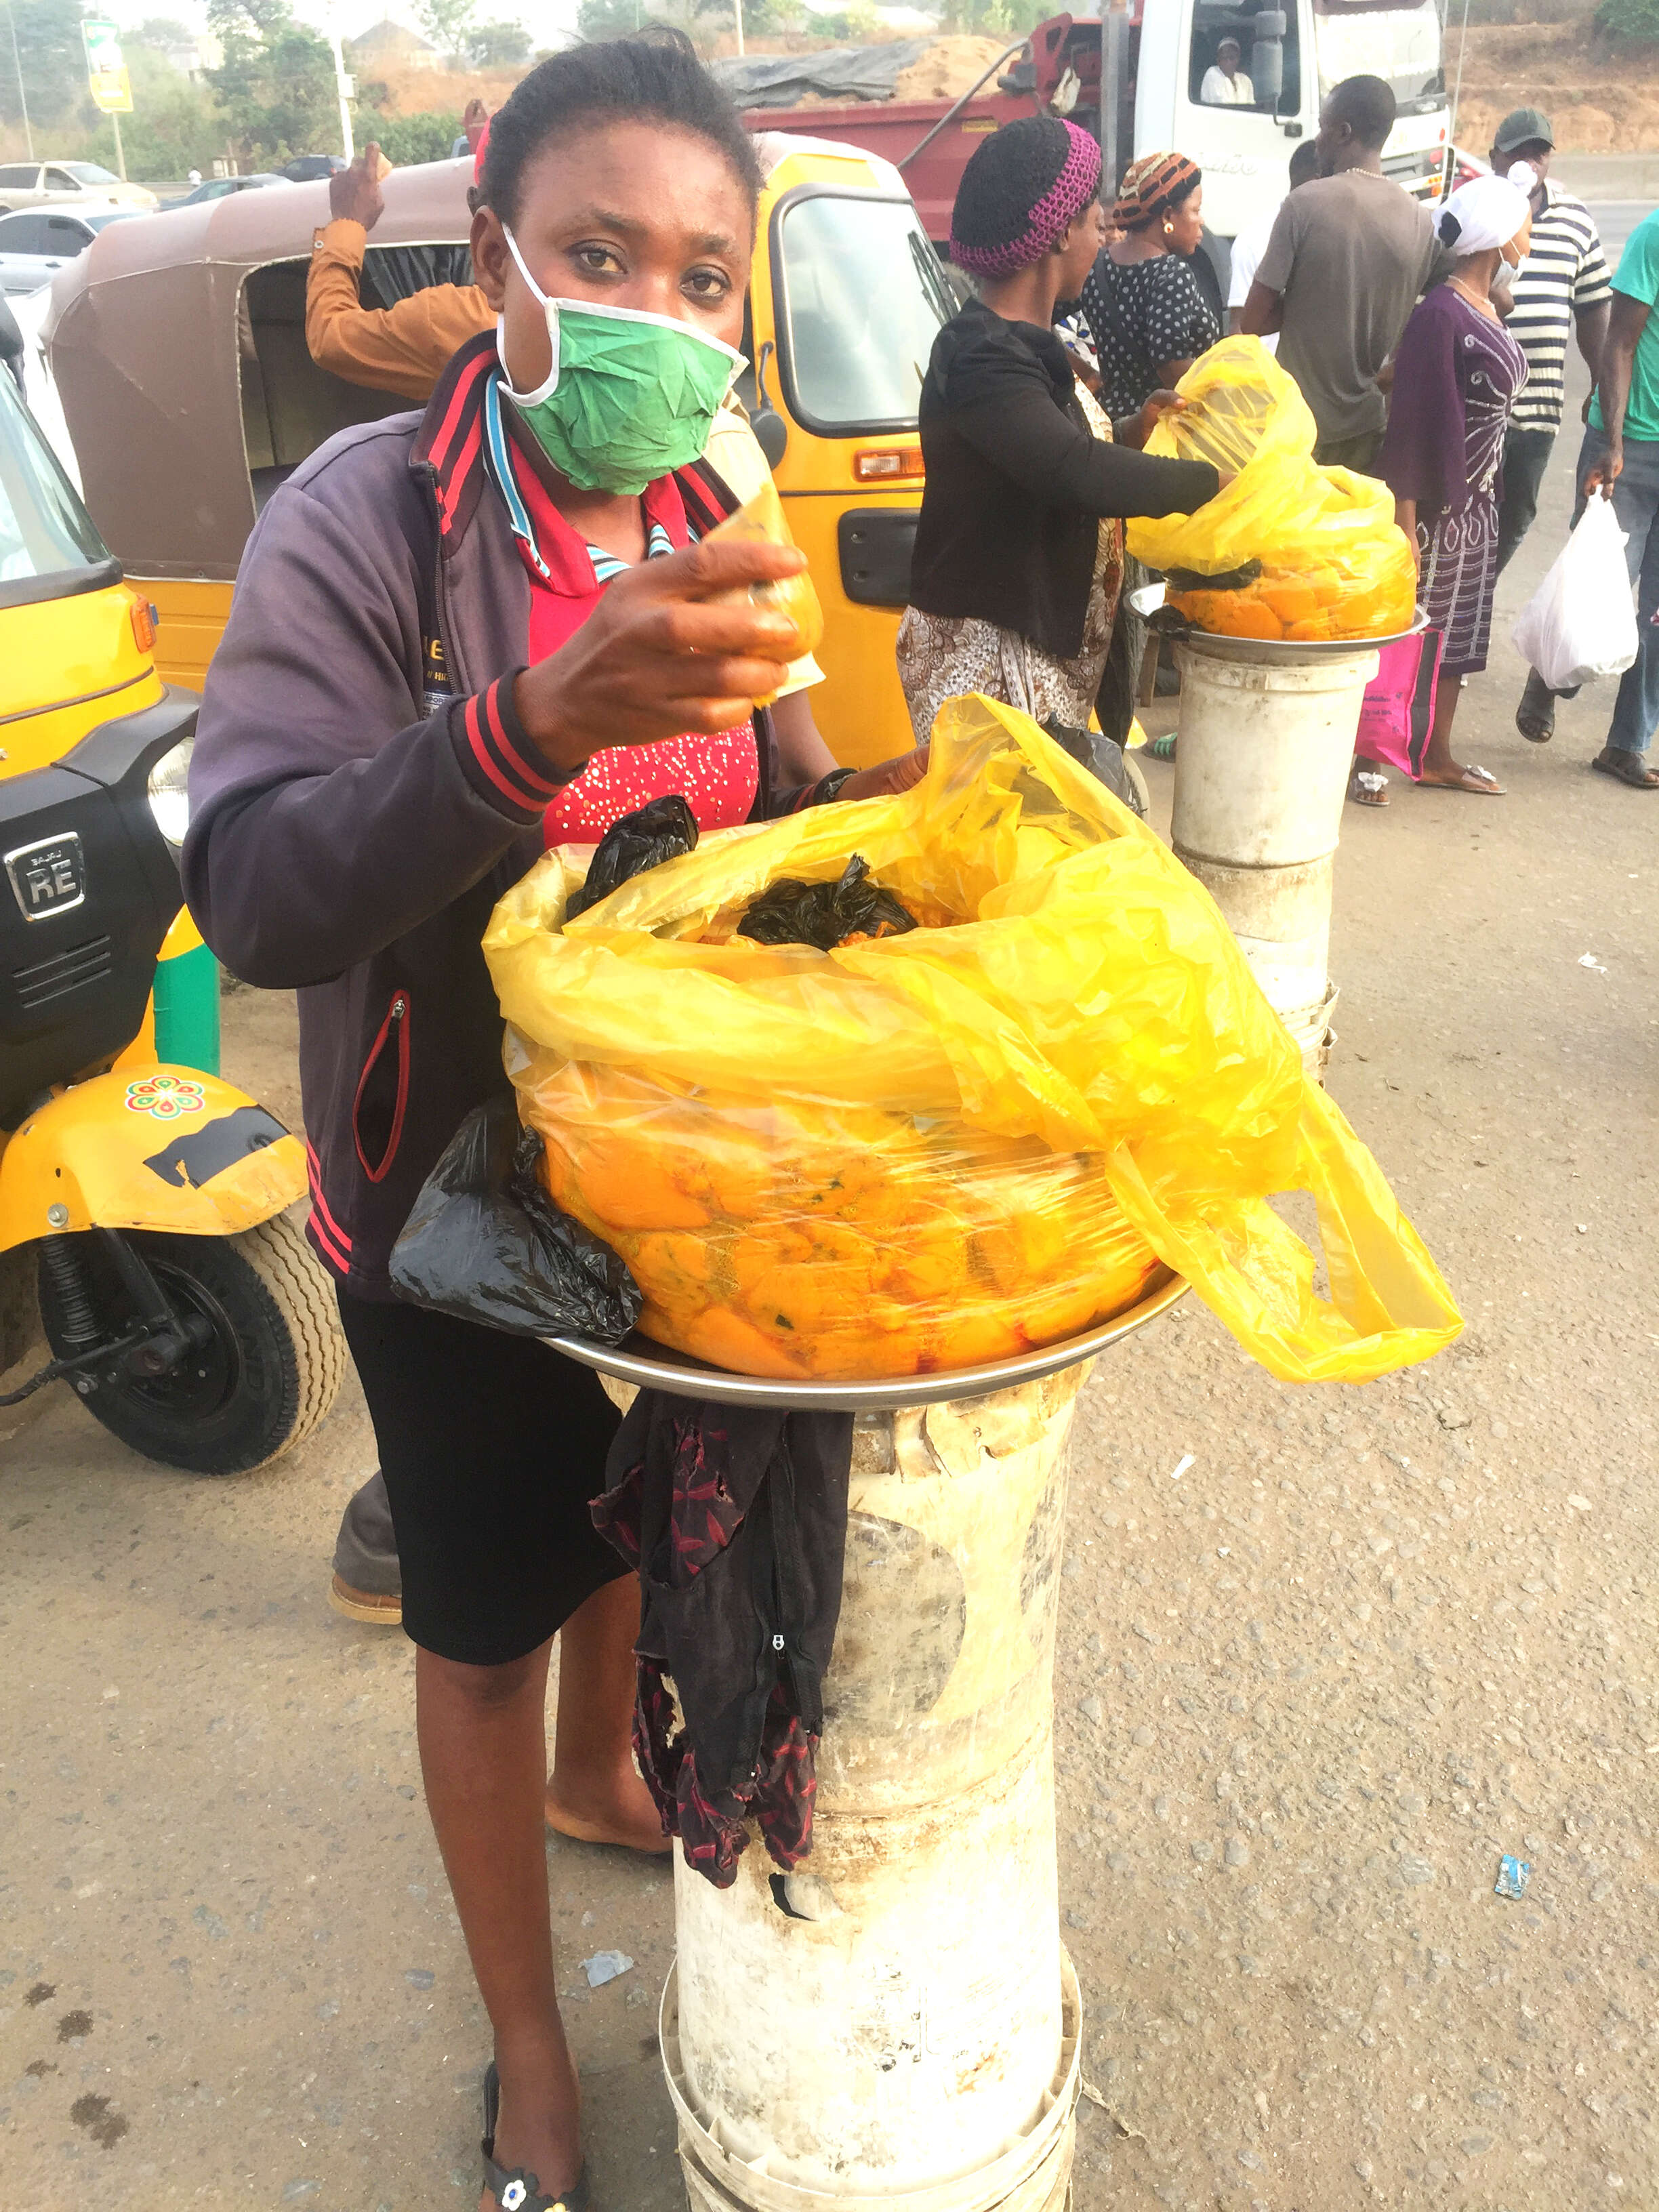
1155,56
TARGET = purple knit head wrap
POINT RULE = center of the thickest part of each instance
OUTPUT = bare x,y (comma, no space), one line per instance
1020,190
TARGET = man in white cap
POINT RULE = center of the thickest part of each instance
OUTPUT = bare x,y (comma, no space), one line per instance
1563,289
1225,84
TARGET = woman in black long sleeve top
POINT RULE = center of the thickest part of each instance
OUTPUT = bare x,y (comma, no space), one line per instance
1018,553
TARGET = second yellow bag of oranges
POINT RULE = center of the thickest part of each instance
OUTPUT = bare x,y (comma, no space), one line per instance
1295,550
932,1149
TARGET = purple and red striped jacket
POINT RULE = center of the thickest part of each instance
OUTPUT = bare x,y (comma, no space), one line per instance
350,831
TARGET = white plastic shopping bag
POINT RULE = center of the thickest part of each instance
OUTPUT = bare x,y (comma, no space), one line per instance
1580,623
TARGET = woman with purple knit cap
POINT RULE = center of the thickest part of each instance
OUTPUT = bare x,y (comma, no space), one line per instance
1020,549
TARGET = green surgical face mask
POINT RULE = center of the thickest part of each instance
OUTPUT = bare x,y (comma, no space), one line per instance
629,396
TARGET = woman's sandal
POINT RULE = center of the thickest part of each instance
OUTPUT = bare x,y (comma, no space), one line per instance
1629,767
1162,748
1481,781
520,2191
1368,786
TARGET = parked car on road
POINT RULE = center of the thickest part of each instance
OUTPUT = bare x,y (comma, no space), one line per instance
35,243
67,184
306,168
219,188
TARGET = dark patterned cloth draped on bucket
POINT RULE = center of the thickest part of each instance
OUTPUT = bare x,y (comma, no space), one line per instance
1455,381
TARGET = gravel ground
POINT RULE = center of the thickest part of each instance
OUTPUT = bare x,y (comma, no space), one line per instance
1311,1688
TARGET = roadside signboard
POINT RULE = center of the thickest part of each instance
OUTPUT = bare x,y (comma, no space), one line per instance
106,73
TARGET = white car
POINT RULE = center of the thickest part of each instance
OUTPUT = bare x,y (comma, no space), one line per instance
80,184
37,242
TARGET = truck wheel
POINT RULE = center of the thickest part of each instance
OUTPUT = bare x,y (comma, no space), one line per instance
268,1377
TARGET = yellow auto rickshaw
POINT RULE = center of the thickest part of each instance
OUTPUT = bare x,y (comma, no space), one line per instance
178,346
178,1298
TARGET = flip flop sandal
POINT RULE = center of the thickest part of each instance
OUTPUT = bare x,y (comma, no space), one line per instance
1629,767
1368,787
1161,749
520,2191
1535,715
1479,782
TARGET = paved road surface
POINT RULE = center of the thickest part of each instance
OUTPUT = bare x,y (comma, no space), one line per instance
1307,1694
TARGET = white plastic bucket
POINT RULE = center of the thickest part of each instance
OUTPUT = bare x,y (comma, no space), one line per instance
894,2022
1262,762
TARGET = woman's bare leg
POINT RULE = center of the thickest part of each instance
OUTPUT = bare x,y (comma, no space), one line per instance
593,1792
1438,766
483,1756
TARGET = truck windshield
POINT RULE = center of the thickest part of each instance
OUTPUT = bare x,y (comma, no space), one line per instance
1402,45
44,528
860,302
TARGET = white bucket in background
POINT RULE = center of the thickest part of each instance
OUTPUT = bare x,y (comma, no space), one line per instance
895,2022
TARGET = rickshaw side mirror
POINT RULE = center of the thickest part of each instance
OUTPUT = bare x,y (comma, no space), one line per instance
771,434
771,431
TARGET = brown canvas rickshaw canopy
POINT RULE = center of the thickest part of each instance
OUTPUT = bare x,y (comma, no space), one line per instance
178,345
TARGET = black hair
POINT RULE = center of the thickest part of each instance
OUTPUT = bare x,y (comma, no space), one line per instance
1367,106
1007,175
612,80
1304,162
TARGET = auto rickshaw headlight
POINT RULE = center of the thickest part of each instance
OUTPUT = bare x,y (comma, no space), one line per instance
169,793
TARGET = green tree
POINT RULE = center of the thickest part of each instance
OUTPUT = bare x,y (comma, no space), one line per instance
447,23
274,85
54,62
1630,19
160,34
404,139
498,46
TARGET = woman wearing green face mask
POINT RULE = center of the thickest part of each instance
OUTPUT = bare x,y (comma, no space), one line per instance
456,633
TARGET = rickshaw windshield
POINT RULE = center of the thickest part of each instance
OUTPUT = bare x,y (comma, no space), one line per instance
859,298
45,531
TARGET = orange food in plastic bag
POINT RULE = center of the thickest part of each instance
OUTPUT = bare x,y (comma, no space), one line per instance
1312,540
958,1142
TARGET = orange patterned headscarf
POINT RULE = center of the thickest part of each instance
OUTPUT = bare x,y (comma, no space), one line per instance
1152,186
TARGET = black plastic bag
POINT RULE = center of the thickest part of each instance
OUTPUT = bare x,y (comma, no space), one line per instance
1106,762
791,912
485,1243
636,842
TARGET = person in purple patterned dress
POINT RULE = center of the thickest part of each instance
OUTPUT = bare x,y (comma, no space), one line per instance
1456,374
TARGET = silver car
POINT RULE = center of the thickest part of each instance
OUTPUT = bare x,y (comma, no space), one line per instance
36,242
67,184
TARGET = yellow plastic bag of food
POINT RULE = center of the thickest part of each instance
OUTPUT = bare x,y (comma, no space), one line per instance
761,520
1296,551
948,1145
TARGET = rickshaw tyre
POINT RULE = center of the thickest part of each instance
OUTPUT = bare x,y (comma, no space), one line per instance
289,1357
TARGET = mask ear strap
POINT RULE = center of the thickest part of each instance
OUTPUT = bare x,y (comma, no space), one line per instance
550,385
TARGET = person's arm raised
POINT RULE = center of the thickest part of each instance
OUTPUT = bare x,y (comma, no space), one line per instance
330,818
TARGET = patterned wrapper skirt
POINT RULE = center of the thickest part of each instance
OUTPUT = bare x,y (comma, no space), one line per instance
1459,578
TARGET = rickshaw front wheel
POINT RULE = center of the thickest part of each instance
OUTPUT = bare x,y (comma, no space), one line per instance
268,1360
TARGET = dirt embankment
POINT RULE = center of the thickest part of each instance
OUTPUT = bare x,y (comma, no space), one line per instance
945,72
1601,96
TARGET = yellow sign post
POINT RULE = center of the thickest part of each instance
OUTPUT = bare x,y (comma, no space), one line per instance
106,74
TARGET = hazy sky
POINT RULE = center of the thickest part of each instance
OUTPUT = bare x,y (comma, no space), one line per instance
541,18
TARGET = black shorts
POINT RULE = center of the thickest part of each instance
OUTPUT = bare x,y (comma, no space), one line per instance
492,1446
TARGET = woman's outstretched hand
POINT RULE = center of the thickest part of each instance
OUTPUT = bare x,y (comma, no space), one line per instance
889,777
1160,404
656,659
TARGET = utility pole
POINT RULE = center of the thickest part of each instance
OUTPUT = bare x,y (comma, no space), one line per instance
22,97
737,10
344,86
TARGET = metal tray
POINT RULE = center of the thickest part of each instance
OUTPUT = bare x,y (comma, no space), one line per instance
653,1367
1268,652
